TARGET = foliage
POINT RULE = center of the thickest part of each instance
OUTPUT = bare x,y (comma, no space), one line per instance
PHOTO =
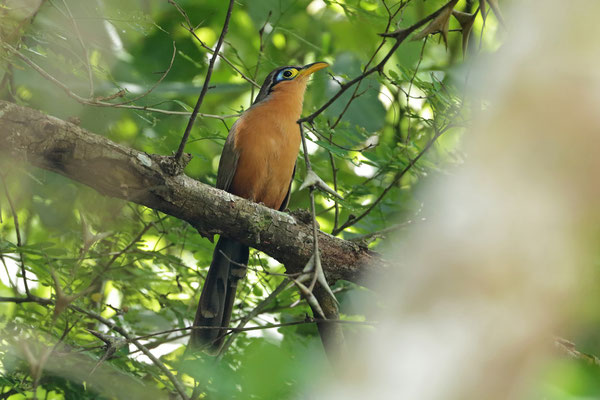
141,269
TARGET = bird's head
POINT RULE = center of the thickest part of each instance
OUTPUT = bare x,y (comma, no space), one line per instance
289,80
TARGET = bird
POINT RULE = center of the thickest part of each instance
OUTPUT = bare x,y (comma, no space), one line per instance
258,162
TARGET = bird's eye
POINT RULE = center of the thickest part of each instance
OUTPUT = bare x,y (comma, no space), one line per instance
287,73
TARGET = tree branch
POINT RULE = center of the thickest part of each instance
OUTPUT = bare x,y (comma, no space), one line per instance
18,232
400,35
125,173
98,102
211,65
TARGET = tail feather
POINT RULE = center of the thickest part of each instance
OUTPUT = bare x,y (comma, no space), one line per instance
228,266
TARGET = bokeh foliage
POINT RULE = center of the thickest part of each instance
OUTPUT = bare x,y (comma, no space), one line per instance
150,265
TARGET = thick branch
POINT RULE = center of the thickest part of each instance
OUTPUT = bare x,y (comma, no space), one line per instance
125,173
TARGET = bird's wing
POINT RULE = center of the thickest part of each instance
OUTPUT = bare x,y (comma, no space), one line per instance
228,162
286,199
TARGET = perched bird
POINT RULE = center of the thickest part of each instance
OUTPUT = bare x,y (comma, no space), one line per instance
258,163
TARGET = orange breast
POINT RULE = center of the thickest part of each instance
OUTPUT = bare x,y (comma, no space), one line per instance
268,140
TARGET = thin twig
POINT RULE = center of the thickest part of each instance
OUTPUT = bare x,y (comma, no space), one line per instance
351,221
369,237
96,280
400,35
86,54
261,48
176,383
111,325
410,85
18,232
158,82
334,170
570,349
96,102
255,311
222,56
311,189
211,65
314,130
366,67
307,320
13,286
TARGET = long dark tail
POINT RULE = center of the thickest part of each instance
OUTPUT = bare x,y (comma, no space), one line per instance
228,266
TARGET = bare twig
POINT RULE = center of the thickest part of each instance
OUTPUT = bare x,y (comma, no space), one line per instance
410,85
97,102
112,345
63,300
211,65
86,54
13,286
158,82
261,48
570,349
227,60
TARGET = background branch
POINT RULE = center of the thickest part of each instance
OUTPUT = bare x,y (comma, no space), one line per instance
400,35
100,102
18,233
211,65
111,325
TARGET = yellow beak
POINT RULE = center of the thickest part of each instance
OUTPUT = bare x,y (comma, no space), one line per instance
310,68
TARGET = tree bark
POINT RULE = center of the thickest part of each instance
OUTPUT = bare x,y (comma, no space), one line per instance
156,182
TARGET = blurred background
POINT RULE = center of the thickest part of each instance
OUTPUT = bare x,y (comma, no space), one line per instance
470,162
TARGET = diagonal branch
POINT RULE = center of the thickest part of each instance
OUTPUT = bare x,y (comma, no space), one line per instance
125,173
98,102
176,382
211,65
400,35
192,30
